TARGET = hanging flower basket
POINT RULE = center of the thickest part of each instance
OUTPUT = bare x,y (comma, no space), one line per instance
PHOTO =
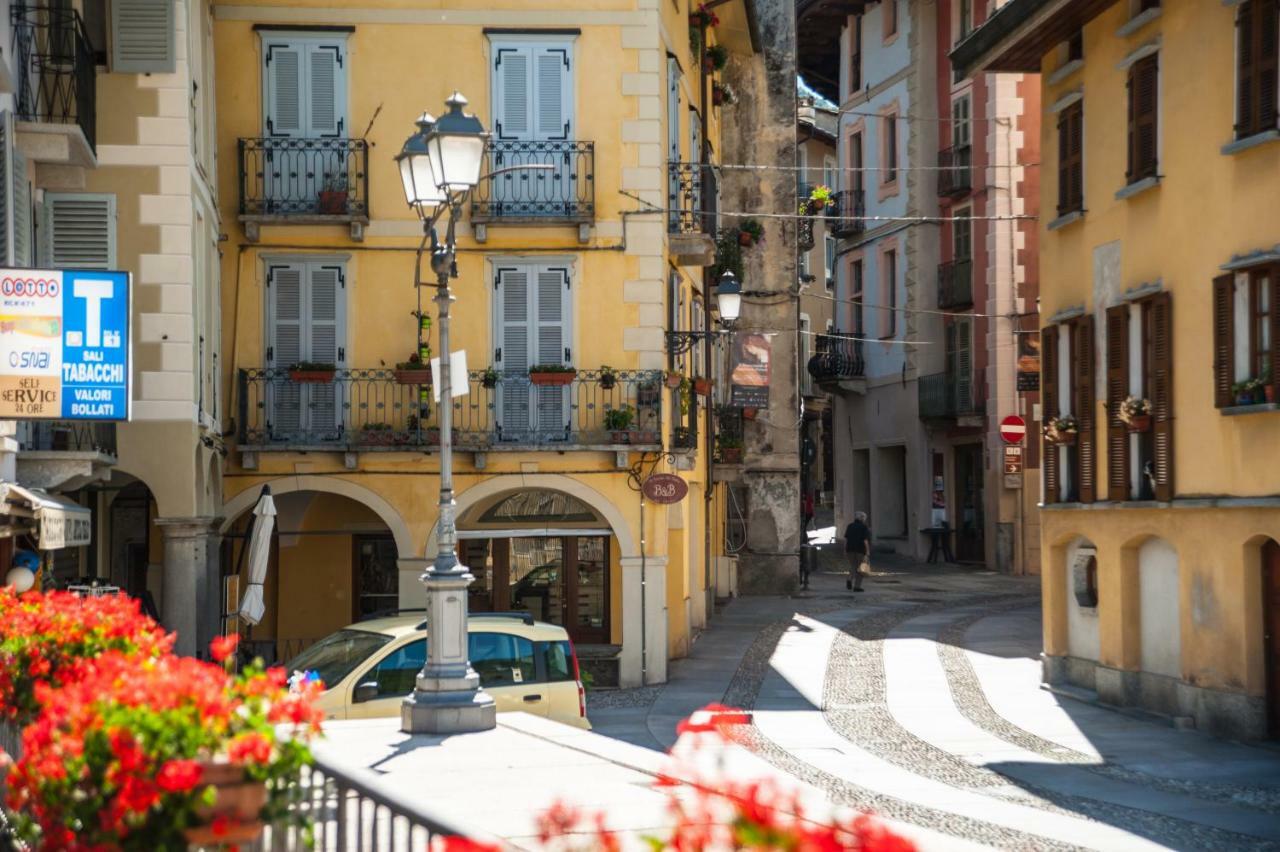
1139,423
674,380
236,808
702,387
547,376
1135,413
307,373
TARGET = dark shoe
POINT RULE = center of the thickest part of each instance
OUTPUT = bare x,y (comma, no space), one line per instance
848,584
859,589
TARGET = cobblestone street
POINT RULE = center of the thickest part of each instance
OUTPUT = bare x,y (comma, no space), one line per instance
920,699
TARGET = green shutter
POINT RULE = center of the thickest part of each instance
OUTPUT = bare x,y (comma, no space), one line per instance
142,36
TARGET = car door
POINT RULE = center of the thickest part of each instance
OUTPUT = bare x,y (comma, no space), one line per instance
508,672
392,676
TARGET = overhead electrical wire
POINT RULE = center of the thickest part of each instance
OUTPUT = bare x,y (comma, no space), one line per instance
814,168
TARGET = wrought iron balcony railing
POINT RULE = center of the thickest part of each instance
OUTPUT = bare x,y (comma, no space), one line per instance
74,436
380,410
949,395
955,171
692,199
284,176
56,72
566,192
837,358
955,284
847,211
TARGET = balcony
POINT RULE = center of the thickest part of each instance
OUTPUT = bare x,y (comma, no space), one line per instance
372,411
946,396
955,172
692,217
955,284
55,97
838,364
64,455
295,181
846,214
564,194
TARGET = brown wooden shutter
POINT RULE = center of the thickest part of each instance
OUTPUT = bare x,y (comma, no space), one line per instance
1267,23
1117,390
1244,69
1064,162
1086,448
1077,156
1274,274
1143,76
1224,340
1162,392
1049,409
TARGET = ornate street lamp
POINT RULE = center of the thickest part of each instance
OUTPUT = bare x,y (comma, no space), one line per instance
439,165
729,306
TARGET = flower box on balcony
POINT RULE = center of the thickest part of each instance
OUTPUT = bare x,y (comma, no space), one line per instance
333,202
413,377
548,376
312,373
643,437
378,434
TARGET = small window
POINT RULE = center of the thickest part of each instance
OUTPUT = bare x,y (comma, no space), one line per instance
1071,159
961,127
1246,333
890,299
855,56
856,297
890,148
1090,598
502,659
1143,110
856,163
1075,46
962,235
1257,59
964,25
890,19
558,659
398,671
829,244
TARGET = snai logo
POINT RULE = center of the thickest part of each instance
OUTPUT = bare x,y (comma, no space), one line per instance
41,288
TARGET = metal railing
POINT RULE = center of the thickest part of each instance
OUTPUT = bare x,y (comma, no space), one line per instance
74,436
837,358
286,176
692,199
565,192
955,172
955,283
57,76
846,214
371,410
948,395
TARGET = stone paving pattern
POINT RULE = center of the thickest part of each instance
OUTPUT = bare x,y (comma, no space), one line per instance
920,700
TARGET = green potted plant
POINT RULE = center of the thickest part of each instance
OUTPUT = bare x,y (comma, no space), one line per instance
489,378
819,198
716,57
703,18
413,371
686,395
312,372
552,374
1256,389
750,232
379,434
722,94
333,197
1135,414
730,450
618,421
1062,430
608,377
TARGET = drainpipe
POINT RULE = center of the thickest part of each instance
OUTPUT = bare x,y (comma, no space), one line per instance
644,604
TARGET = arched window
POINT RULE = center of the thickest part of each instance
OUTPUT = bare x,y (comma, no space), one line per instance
539,507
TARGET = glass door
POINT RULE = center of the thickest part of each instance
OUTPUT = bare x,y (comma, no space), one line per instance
589,596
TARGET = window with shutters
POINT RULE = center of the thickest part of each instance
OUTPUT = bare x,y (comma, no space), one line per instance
142,36
829,255
78,231
856,296
1143,86
1139,347
889,293
890,20
1257,67
1067,388
533,326
961,126
964,19
1075,47
889,142
304,85
306,323
16,221
1246,336
806,350
855,55
1071,159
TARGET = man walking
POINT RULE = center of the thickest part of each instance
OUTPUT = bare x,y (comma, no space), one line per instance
857,546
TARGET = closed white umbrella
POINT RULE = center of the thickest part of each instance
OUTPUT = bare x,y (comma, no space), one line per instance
252,606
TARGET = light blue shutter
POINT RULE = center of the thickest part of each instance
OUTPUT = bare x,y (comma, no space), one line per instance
553,92
326,90
284,347
673,143
512,82
513,357
78,231
7,142
285,88
695,156
325,344
22,248
142,36
553,340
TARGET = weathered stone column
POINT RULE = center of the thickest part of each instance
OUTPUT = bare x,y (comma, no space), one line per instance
192,593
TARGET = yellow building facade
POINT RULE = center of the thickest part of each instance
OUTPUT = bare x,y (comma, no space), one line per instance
1158,263
577,265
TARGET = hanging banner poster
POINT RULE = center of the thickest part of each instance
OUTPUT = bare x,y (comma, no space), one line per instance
749,381
1029,361
64,344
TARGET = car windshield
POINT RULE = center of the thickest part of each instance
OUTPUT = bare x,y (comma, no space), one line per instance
336,655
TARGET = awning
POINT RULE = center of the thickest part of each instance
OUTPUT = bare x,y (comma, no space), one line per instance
56,523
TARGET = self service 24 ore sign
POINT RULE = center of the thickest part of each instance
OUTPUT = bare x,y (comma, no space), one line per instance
64,344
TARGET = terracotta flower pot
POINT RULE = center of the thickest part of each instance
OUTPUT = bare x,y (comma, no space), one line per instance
717,97
1067,439
1269,393
315,377
413,377
745,239
565,378
702,387
708,64
748,414
1139,423
237,800
333,202
641,437
673,381
620,436
731,455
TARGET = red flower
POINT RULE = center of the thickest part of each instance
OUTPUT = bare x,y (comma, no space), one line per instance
224,646
221,826
452,843
250,748
179,776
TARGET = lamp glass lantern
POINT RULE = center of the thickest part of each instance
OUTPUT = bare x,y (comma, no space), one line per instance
416,172
456,147
729,298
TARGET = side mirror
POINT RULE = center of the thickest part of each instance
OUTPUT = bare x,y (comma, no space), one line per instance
365,692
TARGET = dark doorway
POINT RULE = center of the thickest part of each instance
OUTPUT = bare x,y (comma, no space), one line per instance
130,538
375,579
1271,631
970,518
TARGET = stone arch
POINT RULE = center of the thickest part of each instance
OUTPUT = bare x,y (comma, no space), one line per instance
496,485
1151,571
1255,613
1083,634
243,502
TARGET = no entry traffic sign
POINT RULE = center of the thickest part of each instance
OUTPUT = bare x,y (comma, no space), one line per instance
1013,429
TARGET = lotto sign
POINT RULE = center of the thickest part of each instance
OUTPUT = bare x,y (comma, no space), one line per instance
1013,429
64,344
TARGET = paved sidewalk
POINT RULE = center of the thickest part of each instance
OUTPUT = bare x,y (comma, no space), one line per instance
920,699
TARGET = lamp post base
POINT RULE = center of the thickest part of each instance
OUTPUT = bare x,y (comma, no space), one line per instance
463,712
